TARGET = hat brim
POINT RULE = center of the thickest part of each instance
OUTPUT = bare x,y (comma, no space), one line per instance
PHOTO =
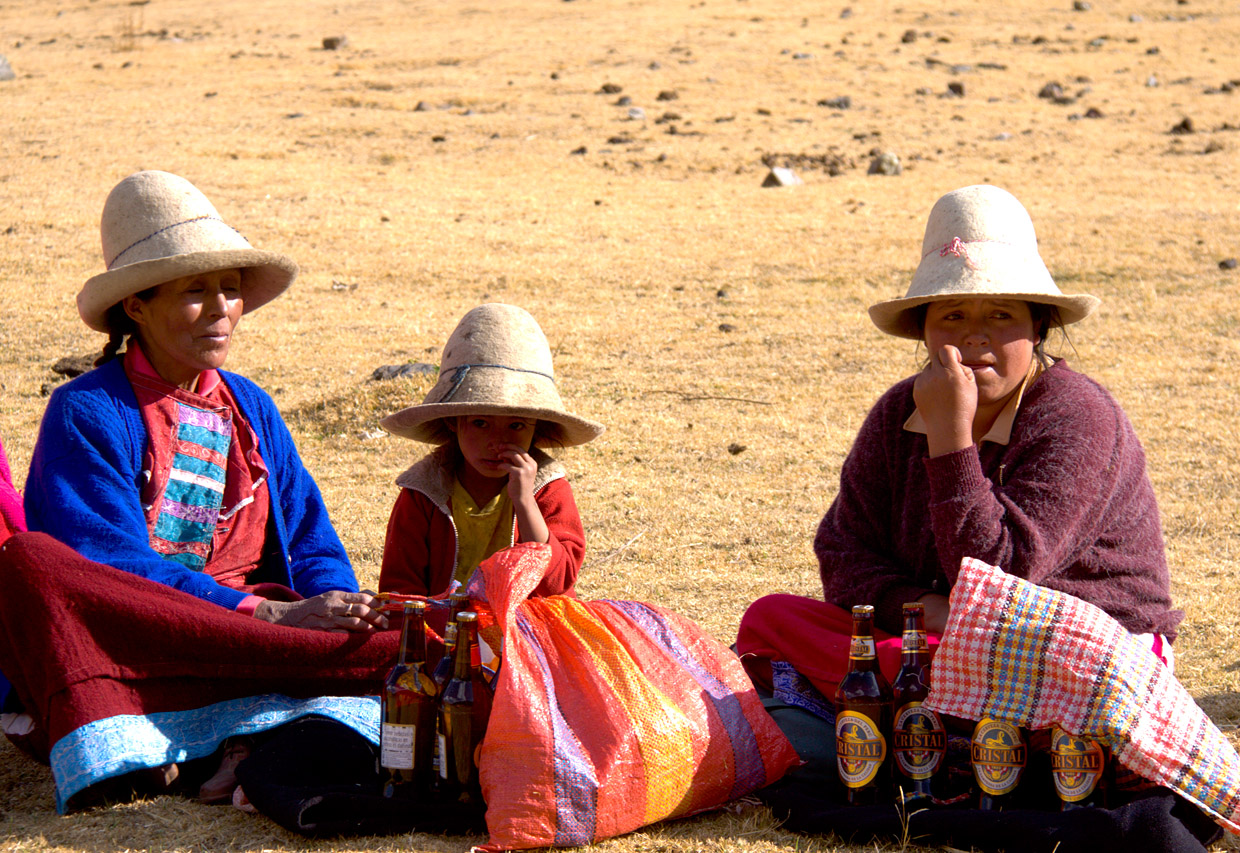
265,275
422,422
896,316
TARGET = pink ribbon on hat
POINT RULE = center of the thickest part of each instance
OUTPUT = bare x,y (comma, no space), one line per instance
955,247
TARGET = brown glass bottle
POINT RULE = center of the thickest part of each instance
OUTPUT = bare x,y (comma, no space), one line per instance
918,739
1079,767
407,737
863,713
460,732
999,752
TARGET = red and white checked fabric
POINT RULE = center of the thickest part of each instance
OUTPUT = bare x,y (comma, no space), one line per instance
1037,657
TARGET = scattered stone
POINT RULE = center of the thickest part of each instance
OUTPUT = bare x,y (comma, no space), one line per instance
619,140
909,36
334,42
422,107
439,138
610,89
1212,147
802,56
344,287
1184,127
846,12
1152,51
6,70
623,101
666,117
1051,91
637,114
1227,264
73,365
735,448
780,177
1080,6
721,293
843,102
726,327
956,88
579,150
1093,112
1151,82
1134,18
654,66
402,371
668,95
295,115
923,91
886,163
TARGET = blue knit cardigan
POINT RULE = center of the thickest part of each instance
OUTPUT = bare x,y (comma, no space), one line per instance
86,477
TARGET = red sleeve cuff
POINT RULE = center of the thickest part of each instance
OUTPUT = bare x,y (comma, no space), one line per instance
248,605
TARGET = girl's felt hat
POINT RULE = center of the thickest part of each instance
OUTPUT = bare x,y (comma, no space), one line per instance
157,227
979,242
496,362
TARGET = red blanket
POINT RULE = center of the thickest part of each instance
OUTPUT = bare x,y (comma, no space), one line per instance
82,641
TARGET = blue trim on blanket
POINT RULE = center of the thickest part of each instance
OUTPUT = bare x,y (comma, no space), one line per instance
122,744
796,690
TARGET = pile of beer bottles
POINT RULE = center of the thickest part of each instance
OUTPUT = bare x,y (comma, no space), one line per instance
890,747
435,713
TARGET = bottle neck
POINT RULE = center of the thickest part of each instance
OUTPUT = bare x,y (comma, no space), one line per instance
914,650
462,654
862,652
413,636
407,617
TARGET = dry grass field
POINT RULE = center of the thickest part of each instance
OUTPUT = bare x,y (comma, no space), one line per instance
462,151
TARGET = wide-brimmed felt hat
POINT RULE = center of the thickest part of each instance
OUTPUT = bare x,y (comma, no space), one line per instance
979,242
496,362
157,227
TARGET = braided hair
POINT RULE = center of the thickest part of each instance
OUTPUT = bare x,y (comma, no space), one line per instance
120,327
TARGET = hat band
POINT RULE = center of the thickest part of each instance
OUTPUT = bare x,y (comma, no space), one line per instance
155,234
461,371
959,248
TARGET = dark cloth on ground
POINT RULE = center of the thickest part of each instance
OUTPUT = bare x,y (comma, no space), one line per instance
1157,821
319,778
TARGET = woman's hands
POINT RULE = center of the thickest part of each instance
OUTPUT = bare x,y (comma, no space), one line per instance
946,395
330,611
936,611
522,469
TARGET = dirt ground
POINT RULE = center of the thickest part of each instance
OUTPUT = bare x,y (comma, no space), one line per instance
452,153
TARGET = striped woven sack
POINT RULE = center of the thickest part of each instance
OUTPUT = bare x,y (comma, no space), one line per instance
611,715
1037,657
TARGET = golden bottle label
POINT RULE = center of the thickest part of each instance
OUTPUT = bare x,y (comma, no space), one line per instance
999,755
914,641
919,741
859,748
1076,765
862,648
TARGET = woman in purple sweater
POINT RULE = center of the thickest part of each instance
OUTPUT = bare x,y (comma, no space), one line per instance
993,451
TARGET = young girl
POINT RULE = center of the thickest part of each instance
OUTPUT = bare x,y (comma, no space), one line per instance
487,485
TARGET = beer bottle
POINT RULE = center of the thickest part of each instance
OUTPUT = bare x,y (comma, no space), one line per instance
459,735
863,717
919,739
443,669
1078,766
999,753
407,735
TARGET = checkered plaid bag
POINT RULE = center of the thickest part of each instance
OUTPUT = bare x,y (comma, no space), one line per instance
1037,657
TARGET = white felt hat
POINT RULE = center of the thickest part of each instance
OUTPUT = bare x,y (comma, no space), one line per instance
979,242
157,227
496,362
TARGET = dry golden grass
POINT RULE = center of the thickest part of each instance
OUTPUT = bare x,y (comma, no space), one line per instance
633,254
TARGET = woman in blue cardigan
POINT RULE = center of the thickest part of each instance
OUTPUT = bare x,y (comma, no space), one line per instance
161,465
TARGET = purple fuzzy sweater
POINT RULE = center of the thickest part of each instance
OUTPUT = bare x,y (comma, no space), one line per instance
1066,504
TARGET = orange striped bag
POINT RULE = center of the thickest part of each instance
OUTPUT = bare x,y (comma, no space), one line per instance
610,715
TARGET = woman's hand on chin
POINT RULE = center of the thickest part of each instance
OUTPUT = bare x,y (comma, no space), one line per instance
330,611
946,395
